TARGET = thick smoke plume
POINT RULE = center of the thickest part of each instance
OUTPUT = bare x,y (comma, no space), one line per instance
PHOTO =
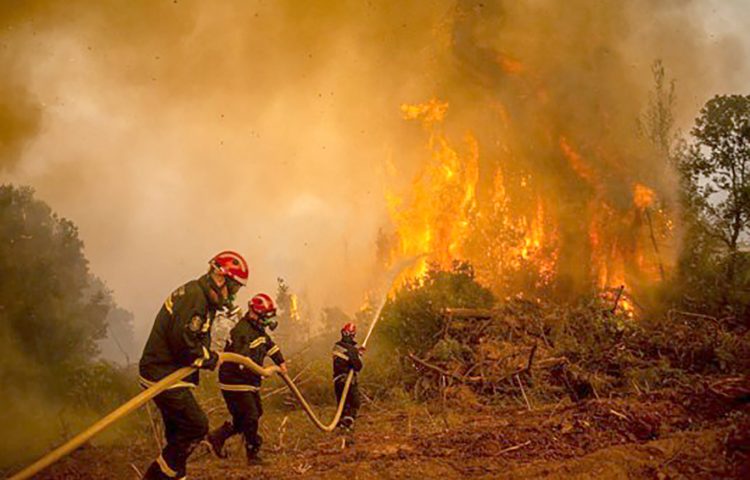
169,130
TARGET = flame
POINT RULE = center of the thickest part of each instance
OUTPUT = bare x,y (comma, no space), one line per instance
512,236
577,161
643,197
435,219
293,309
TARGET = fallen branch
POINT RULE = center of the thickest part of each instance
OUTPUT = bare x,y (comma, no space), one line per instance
618,414
523,392
514,447
673,312
531,359
617,299
439,370
482,378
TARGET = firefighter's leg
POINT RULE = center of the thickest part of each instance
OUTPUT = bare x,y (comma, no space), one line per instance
338,387
246,409
253,440
353,401
185,425
218,437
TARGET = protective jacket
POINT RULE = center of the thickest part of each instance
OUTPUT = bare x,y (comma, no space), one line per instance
249,339
345,358
181,335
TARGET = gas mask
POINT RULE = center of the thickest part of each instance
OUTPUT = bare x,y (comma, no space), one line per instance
226,293
270,322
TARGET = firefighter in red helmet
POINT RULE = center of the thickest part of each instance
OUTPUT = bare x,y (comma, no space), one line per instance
180,337
345,358
241,386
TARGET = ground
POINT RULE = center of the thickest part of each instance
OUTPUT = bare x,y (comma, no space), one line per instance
662,435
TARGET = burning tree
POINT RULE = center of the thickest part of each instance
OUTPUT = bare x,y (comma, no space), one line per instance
292,331
534,169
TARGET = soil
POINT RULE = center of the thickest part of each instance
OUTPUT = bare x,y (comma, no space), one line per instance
662,435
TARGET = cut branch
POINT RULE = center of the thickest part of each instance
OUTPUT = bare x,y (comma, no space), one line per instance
446,373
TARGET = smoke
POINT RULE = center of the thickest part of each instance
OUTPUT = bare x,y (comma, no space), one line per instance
553,93
170,130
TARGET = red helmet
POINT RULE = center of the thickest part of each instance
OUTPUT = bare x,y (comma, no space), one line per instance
262,305
349,330
232,265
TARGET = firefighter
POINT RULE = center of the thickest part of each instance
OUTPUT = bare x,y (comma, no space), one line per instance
241,386
345,358
181,336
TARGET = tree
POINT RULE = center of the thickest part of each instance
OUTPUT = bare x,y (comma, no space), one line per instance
716,170
413,317
119,345
657,121
52,313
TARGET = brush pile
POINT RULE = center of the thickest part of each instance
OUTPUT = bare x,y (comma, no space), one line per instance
544,352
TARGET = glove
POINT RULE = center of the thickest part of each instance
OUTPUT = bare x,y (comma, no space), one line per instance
211,362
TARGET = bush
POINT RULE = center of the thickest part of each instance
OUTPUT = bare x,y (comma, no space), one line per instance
412,319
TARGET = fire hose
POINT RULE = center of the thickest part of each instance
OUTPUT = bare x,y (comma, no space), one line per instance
128,407
146,395
306,406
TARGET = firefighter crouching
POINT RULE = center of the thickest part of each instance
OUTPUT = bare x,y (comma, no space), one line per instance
241,386
346,357
180,337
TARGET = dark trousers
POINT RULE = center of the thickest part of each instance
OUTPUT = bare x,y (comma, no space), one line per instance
352,402
246,410
185,425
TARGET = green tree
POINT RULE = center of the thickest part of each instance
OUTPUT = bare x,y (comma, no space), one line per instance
414,316
716,174
52,311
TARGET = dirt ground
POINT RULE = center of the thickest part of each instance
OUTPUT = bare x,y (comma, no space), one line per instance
662,435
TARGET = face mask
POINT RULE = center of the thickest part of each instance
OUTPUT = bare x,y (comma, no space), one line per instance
233,287
270,323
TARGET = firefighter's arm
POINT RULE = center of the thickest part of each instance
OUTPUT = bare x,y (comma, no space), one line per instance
190,338
275,353
354,360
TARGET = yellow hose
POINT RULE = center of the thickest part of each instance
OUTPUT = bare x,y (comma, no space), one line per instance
126,408
308,410
163,384
306,406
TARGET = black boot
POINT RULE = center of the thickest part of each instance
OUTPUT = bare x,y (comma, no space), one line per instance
253,456
154,473
346,423
217,437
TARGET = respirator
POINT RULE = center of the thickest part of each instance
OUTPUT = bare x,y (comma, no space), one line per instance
270,322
